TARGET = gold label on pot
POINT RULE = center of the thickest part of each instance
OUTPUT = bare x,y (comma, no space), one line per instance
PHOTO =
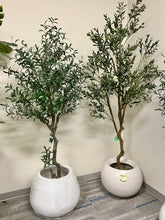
123,178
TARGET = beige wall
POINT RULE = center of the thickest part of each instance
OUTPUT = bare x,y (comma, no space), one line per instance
147,144
84,143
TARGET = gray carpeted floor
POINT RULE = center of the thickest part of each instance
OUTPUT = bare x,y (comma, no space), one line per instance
95,204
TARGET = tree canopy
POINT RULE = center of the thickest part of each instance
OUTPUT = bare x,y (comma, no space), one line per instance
49,79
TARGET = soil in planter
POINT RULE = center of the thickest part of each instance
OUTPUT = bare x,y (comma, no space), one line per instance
124,166
47,174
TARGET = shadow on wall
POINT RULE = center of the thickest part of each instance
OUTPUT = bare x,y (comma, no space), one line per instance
88,143
144,126
133,114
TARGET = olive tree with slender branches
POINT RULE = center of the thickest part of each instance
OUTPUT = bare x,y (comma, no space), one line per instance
121,66
49,80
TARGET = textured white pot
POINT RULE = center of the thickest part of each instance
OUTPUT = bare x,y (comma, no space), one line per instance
54,197
162,212
122,183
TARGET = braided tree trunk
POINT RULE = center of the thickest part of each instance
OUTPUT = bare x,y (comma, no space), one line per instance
55,172
120,128
121,149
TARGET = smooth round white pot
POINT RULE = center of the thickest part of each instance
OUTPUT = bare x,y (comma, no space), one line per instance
122,183
54,197
162,212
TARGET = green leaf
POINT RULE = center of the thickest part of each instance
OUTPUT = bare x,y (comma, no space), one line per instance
1,15
5,48
1,8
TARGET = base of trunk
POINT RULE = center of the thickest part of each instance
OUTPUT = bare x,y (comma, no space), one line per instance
47,173
124,166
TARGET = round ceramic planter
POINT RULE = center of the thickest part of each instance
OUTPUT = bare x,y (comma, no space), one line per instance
162,212
122,183
54,197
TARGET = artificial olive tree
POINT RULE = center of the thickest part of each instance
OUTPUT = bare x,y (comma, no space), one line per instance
49,83
121,67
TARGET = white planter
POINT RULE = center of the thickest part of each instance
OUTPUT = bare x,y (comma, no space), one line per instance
54,197
122,183
162,212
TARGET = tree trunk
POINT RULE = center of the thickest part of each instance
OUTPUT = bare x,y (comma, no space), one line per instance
121,114
118,132
55,173
121,150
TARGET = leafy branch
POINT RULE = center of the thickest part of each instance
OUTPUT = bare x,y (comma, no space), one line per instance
47,157
160,92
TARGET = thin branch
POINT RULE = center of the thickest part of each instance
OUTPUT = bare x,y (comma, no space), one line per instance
108,116
111,113
120,111
123,114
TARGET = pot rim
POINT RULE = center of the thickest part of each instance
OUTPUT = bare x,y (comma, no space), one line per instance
55,179
123,160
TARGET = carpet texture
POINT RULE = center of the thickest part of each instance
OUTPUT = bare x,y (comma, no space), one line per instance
95,204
